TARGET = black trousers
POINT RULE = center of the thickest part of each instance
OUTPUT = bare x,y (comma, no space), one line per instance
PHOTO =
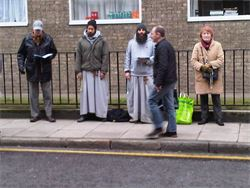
216,106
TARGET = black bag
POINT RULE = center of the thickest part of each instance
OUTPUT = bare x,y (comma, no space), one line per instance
118,115
207,75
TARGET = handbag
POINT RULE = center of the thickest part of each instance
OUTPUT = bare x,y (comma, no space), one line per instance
213,75
184,113
209,75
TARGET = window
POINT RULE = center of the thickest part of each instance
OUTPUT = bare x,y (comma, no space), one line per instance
13,13
218,10
105,11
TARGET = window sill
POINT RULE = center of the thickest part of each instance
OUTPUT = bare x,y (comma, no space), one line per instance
106,21
13,24
217,18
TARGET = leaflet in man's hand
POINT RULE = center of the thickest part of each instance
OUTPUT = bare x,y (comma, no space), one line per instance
43,56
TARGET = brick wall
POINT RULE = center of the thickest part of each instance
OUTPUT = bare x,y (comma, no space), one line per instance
172,14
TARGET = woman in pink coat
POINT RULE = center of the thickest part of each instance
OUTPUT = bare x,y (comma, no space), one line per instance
206,57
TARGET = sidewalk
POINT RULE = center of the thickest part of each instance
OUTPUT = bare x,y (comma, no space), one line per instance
233,138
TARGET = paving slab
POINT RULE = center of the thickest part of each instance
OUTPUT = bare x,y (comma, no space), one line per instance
228,128
109,130
137,131
37,131
3,122
75,130
16,124
188,132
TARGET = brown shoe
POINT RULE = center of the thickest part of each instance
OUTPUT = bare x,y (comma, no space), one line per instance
155,133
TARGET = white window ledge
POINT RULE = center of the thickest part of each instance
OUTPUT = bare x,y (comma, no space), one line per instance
13,24
218,18
107,21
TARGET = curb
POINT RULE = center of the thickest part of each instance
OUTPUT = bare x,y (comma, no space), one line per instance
141,145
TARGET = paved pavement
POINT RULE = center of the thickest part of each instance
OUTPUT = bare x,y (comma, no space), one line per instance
233,138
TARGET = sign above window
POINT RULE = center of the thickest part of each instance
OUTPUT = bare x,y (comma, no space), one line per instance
104,11
218,10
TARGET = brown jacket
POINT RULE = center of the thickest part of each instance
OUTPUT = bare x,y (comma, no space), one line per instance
215,57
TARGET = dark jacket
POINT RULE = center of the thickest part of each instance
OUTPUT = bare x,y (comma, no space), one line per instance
92,57
165,64
37,69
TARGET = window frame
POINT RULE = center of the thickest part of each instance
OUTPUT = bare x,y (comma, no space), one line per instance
15,24
212,18
106,21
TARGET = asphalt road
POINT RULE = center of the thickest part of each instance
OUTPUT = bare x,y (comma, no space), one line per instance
24,169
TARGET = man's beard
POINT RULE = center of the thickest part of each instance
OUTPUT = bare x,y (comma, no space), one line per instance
37,38
90,34
141,39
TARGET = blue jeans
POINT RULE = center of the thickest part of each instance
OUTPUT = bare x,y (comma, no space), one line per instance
167,96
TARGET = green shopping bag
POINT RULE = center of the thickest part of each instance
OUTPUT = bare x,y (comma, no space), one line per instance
184,113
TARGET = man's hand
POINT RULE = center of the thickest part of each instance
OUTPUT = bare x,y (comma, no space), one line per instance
22,71
158,88
102,75
206,68
79,76
127,75
143,60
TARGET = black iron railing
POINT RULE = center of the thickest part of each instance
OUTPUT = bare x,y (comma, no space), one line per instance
65,86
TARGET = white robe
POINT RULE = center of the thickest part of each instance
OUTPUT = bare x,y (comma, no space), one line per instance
94,95
138,91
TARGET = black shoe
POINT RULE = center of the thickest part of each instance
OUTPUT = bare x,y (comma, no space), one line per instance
155,132
34,119
81,119
203,121
220,122
50,119
103,119
169,134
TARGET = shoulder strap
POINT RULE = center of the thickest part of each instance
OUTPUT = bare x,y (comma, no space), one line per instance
203,58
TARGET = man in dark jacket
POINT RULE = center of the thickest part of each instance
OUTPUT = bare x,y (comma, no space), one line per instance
34,57
164,75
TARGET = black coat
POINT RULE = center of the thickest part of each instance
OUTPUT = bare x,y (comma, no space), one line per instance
37,69
164,66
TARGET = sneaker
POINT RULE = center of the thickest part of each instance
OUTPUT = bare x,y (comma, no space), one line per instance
34,119
50,119
155,132
169,134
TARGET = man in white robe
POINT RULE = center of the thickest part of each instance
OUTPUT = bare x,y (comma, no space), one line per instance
139,74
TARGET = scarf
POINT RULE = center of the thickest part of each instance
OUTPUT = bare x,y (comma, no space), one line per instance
206,45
